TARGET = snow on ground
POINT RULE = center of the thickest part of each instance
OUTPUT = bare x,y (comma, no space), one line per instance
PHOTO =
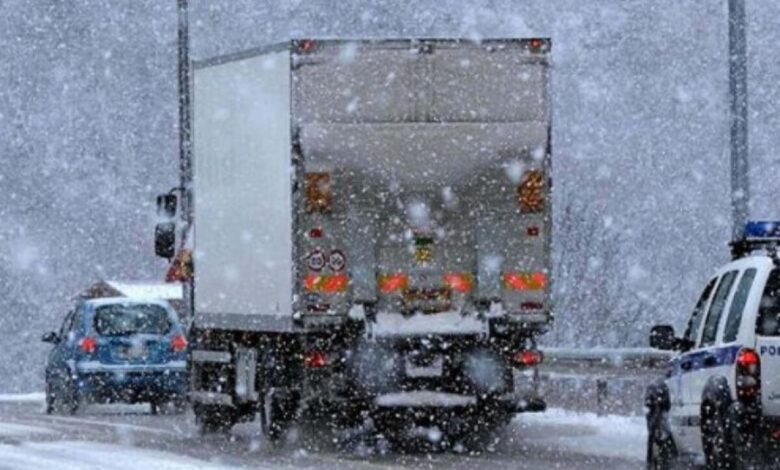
20,430
37,397
66,455
588,433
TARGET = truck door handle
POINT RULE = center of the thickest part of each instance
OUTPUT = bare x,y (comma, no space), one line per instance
710,361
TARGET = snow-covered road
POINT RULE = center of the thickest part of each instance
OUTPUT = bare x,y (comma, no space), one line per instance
127,437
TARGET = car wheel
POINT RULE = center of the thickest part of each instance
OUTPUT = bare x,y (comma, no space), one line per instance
72,399
716,439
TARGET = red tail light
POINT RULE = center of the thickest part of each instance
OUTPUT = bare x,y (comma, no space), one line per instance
528,357
306,45
460,282
315,359
178,343
390,283
748,375
88,345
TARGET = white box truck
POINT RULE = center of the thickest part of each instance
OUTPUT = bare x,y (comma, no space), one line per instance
370,233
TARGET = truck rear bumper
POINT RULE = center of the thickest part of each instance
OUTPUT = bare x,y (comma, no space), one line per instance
430,399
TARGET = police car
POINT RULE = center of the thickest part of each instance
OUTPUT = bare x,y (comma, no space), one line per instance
720,399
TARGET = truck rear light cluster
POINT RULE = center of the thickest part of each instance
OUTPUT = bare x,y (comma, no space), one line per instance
748,376
528,357
88,345
327,283
525,281
459,282
391,283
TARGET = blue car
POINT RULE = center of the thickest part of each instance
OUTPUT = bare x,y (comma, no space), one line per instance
117,350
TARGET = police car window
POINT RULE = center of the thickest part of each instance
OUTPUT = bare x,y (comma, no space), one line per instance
716,308
731,330
768,323
692,330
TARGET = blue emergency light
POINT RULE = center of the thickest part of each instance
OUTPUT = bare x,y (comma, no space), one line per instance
762,229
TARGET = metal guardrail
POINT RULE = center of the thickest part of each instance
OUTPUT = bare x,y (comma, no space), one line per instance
605,381
628,358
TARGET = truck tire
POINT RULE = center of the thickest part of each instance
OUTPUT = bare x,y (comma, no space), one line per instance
276,414
214,419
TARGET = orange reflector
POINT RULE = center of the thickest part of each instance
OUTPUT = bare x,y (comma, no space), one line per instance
525,281
460,282
530,192
318,192
389,283
329,284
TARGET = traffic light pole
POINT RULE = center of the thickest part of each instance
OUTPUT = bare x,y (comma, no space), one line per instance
738,117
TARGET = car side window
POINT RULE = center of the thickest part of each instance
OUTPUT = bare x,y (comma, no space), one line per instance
67,324
692,330
716,308
731,330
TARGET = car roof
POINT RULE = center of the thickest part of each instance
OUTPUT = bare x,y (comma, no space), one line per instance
127,300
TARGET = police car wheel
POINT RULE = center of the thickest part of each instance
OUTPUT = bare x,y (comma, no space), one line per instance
716,439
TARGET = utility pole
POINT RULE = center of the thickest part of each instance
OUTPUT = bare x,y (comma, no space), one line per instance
185,152
738,117
185,120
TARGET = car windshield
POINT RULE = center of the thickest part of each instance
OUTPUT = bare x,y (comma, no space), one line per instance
128,319
768,323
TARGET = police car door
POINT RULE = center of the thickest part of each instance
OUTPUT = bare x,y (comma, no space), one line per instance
768,344
710,358
681,412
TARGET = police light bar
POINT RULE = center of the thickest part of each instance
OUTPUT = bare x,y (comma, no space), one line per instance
755,229
758,234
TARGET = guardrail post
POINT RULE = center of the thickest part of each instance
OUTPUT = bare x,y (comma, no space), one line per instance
601,397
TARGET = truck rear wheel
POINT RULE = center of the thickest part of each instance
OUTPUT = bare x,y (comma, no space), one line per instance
276,414
213,419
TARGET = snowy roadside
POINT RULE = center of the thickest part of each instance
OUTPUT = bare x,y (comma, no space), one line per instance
36,397
587,433
77,455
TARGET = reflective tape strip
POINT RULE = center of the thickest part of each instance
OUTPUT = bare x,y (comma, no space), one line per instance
95,366
222,357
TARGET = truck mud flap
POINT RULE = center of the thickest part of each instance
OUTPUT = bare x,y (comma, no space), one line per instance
530,405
